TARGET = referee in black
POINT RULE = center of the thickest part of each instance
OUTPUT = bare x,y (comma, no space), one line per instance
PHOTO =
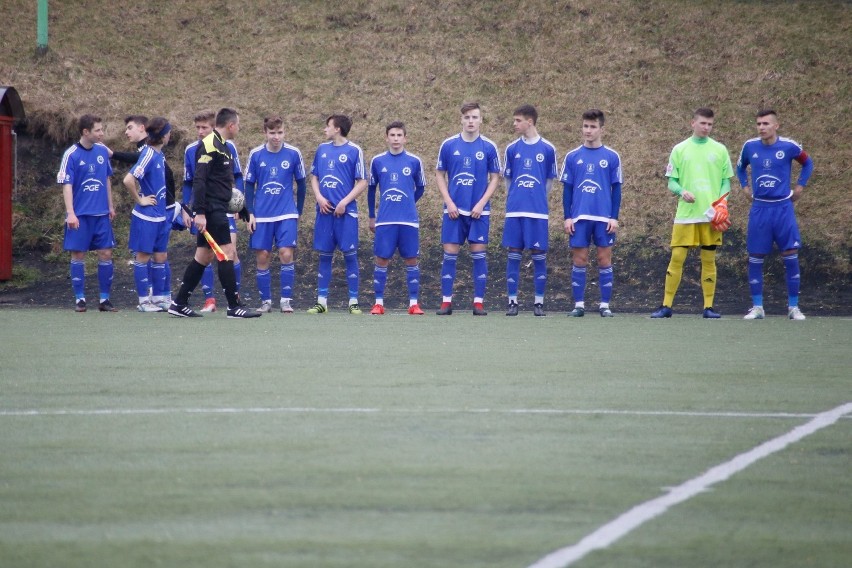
211,192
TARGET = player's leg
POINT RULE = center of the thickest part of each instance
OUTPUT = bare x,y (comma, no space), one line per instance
77,242
409,250
758,245
478,239
349,245
708,280
605,279
683,238
260,241
238,266
324,244
513,241
384,245
451,239
286,238
161,295
104,241
536,238
789,240
192,276
580,242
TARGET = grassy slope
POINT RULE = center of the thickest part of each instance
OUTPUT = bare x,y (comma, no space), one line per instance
647,64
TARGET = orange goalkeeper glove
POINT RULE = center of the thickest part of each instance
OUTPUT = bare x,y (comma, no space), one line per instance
721,220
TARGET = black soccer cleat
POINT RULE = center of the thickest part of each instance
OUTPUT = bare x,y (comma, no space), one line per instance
662,312
106,306
240,312
183,311
538,310
513,309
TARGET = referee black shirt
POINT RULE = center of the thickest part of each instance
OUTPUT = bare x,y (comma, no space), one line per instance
214,176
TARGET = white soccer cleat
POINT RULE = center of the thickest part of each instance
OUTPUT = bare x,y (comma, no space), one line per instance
755,313
265,307
149,306
286,308
795,314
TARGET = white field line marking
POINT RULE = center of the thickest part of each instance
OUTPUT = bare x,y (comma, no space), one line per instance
638,515
344,410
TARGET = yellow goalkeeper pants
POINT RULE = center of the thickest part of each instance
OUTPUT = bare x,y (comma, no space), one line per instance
674,274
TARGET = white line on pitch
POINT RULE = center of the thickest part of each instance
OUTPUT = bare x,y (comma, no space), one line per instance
355,410
640,514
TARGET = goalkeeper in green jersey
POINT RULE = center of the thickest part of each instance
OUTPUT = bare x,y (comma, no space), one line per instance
699,173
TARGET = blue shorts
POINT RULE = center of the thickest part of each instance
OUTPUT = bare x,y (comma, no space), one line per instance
525,233
772,223
391,237
95,233
148,236
586,232
281,233
465,228
331,232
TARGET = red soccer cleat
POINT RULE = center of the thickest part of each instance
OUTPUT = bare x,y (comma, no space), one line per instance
415,310
378,310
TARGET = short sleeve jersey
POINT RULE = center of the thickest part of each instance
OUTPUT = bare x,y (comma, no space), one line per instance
150,171
87,172
590,173
771,167
398,177
699,167
337,168
273,174
528,166
468,165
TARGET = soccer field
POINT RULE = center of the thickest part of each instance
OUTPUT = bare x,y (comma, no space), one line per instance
341,441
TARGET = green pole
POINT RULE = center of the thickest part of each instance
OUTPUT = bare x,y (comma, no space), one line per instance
41,47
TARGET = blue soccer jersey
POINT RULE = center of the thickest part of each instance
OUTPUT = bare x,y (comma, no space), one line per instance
771,166
401,181
528,167
269,182
189,169
150,171
87,172
467,165
337,168
591,179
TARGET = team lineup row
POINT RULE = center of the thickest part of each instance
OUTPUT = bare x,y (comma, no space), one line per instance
468,171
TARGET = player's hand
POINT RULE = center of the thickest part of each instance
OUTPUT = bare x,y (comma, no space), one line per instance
324,205
477,210
569,226
340,210
372,224
252,223
109,151
748,192
111,213
688,197
452,210
612,226
244,214
187,220
72,221
200,222
797,193
145,200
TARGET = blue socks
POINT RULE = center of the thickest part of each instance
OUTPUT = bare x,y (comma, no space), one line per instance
78,278
480,275
448,275
324,274
264,284
287,279
578,283
140,275
605,275
105,273
207,281
380,278
755,280
791,268
540,275
513,274
412,275
352,274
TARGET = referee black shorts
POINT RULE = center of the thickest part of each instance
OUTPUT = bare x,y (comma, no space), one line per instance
219,229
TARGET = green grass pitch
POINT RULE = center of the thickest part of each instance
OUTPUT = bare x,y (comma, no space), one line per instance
341,441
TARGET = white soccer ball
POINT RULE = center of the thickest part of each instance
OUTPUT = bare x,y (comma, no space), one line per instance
237,202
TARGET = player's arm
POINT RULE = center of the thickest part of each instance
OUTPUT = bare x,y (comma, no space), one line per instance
124,157
324,204
248,191
199,190
371,206
132,185
360,187
612,224
444,189
493,182
567,203
807,169
68,197
742,170
110,202
301,190
675,188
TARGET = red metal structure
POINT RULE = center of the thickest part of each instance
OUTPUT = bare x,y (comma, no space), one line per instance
11,111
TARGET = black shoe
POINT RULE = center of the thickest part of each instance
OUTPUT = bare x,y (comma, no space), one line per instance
662,312
183,311
445,310
106,306
240,312
80,306
710,313
479,310
577,313
605,312
538,310
513,309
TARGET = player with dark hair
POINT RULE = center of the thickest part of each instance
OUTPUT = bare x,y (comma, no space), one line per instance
772,218
149,225
401,182
337,179
591,199
529,168
273,214
204,121
211,191
467,175
699,173
87,192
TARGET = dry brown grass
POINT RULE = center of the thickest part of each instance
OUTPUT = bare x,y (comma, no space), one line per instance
647,64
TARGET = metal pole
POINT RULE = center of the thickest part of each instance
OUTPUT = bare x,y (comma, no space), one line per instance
41,47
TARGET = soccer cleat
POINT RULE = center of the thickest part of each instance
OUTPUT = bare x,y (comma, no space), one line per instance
355,309
286,308
163,305
106,306
183,311
317,309
80,306
479,309
148,307
415,310
577,313
538,310
662,312
239,312
795,314
755,313
605,312
513,309
209,305
378,310
710,313
446,309
265,307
